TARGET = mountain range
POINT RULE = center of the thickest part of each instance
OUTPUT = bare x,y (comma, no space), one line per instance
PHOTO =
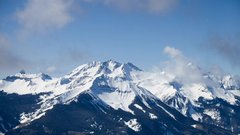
109,97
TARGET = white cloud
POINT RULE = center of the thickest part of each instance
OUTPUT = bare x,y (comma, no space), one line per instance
181,68
173,52
41,15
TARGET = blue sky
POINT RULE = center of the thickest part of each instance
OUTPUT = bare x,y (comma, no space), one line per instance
55,36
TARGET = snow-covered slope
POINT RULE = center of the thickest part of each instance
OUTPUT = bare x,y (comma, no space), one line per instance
118,85
94,77
109,84
189,97
22,83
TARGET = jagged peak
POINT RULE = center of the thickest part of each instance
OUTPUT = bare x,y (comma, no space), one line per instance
106,67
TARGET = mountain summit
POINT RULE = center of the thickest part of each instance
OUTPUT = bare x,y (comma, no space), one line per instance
114,98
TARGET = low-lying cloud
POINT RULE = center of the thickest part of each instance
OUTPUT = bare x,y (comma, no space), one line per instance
181,68
178,68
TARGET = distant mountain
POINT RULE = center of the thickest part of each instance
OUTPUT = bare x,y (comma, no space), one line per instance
114,98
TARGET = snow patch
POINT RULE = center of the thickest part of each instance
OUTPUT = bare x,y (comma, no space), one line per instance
152,116
118,100
196,116
139,107
196,90
133,124
214,114
194,125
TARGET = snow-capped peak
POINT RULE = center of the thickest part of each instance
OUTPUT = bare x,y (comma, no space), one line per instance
110,67
117,85
83,75
108,81
115,78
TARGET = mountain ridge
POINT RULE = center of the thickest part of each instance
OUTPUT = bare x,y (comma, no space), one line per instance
115,85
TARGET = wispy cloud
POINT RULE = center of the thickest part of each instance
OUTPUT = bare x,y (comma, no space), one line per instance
181,68
51,69
177,68
4,42
45,15
70,55
172,52
8,59
67,58
42,15
227,47
150,6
